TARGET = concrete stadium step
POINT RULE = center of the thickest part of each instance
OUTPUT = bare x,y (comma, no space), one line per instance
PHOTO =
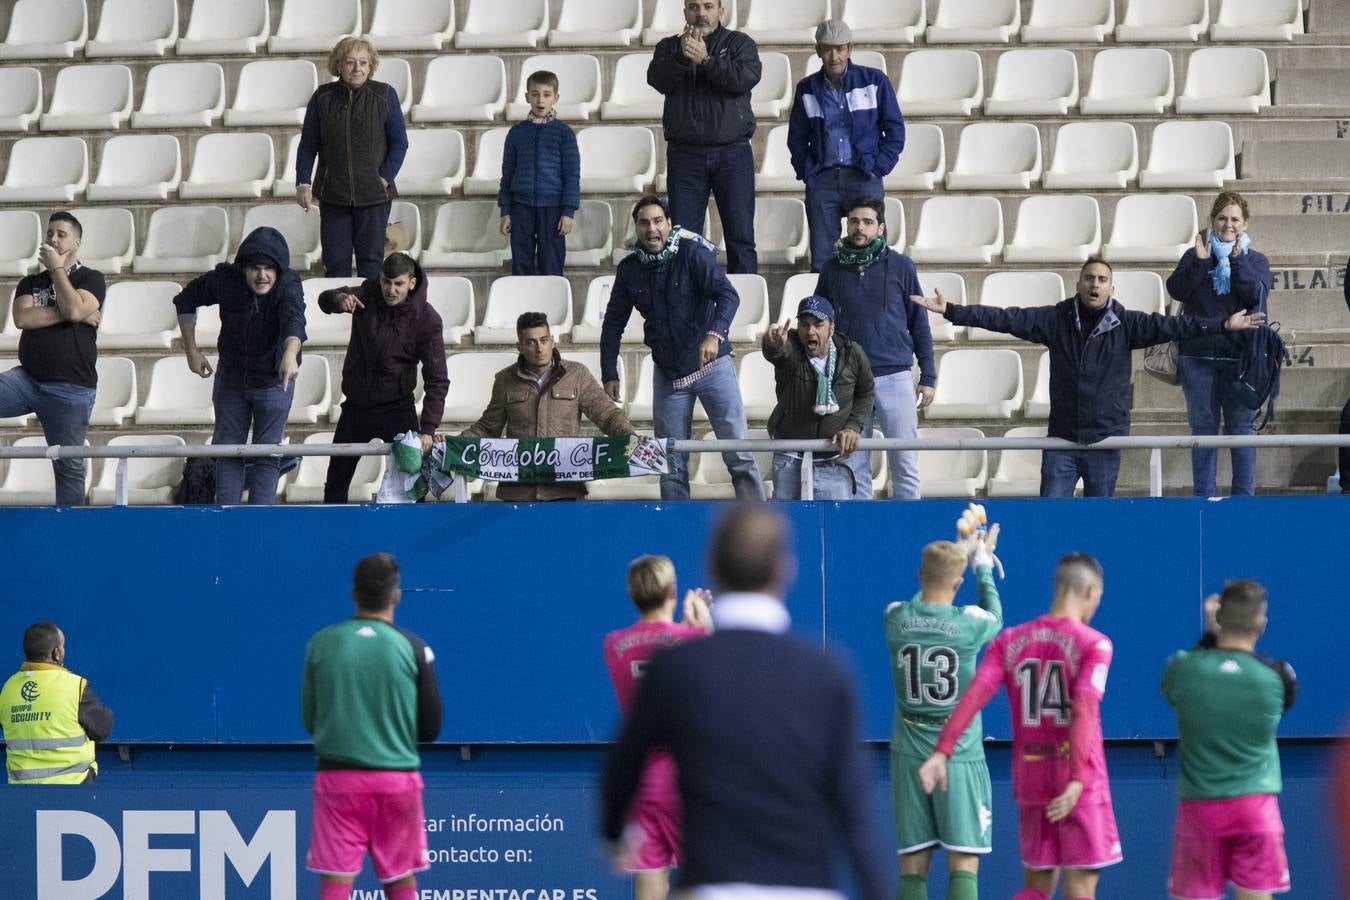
1328,17
1313,87
1301,387
1310,311
1297,161
1305,240
1278,470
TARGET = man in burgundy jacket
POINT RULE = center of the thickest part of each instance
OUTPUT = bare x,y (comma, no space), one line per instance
393,329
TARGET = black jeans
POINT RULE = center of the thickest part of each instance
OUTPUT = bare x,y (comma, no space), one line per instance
344,230
357,425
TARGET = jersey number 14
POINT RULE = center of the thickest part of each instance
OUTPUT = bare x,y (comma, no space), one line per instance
1041,684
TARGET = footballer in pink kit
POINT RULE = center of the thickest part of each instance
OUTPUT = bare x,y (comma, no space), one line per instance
1054,669
653,832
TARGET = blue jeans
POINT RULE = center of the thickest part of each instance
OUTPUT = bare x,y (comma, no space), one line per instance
727,172
1204,383
536,246
831,480
63,411
829,196
673,416
240,407
1061,469
895,411
344,230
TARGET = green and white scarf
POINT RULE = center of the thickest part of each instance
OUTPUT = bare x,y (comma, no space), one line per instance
555,460
662,256
826,403
849,255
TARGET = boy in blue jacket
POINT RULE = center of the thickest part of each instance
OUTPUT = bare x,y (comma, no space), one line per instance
541,182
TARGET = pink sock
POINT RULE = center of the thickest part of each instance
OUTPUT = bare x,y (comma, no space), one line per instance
334,890
1025,893
407,891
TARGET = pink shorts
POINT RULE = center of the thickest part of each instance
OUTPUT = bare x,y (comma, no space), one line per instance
653,835
356,811
1085,839
1238,840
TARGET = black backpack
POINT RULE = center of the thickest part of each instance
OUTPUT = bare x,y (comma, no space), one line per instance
1256,380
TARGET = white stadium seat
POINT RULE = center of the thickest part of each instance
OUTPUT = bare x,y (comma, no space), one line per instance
941,83
46,168
775,170
1224,81
397,73
1258,20
585,23
977,384
772,96
434,164
230,165
30,481
20,97
755,379
310,475
1162,21
785,21
952,473
176,395
315,26
208,326
452,298
284,186
313,391
89,98
466,235
1034,82
1019,289
752,315
1140,290
1070,21
895,224
491,23
412,24
138,167
9,332
616,159
135,28
226,29
326,329
20,237
630,96
299,227
109,241
923,164
1190,155
796,289
874,59
893,22
181,95
512,295
407,216
958,230
1056,229
591,360
39,29
1093,156
1038,404
709,478
273,92
996,156
1018,473
116,397
1152,228
471,376
139,315
587,331
150,480
468,88
1139,81
780,231
668,19
184,239
640,406
976,22
592,238
953,288
579,72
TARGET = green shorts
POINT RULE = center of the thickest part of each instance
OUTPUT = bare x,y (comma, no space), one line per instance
960,818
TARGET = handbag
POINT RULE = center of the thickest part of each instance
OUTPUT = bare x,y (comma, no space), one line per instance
1160,361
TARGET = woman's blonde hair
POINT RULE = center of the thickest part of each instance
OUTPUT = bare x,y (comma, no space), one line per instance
1229,198
345,48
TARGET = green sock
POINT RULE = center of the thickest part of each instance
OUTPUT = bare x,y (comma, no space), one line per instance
963,886
913,887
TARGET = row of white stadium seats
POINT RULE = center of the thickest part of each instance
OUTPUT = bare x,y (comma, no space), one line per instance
60,28
469,88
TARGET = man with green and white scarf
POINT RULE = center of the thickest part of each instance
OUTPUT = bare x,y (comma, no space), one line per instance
825,390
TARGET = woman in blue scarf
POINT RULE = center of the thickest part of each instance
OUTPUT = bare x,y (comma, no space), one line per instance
1220,275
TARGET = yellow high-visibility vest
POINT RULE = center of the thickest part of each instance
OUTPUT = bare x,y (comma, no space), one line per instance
40,715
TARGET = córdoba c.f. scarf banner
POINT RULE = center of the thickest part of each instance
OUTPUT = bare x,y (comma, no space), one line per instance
552,460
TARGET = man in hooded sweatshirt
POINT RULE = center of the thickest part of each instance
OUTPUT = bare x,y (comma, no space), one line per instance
262,325
394,329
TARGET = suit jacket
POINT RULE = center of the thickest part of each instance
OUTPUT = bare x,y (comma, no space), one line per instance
772,772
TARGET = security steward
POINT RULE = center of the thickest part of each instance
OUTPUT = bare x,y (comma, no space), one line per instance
50,716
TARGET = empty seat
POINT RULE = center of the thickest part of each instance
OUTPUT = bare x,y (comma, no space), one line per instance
630,96
434,163
181,95
39,29
466,235
135,28
587,331
941,83
1152,228
1160,21
1093,155
585,23
273,92
786,21
218,29
491,23
468,88
668,19
1038,404
977,384
752,315
1137,81
1225,80
755,379
397,73
177,395
996,156
138,167
1070,21
1258,20
310,475
618,159
1018,473
46,168
592,238
325,329
780,230
895,225
298,226
29,481
1050,228
116,397
953,288
893,22
313,391
471,376
184,239
579,72
405,229
151,480
230,165
20,97
315,26
952,473
139,315
284,186
958,230
1190,154
1019,289
874,59
924,162
86,98
772,95
452,298
975,22
20,236
591,360
775,169
412,24
709,478
1034,83
1140,291
795,289
109,239
512,295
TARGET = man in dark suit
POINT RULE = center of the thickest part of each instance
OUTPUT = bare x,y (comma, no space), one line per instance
764,730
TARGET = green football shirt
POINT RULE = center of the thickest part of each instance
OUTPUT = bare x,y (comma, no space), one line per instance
933,655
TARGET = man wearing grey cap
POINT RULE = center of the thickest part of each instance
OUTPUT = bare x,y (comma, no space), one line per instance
845,134
825,390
